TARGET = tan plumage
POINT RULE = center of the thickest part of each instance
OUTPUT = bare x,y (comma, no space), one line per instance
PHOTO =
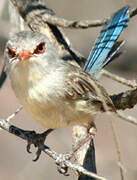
55,93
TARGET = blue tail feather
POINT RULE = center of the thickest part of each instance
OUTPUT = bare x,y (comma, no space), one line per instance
102,53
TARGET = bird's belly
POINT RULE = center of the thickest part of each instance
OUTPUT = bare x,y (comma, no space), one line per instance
53,112
57,115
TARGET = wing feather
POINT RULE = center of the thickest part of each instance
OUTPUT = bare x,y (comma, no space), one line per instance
81,86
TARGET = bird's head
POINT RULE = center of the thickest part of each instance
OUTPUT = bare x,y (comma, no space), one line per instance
28,47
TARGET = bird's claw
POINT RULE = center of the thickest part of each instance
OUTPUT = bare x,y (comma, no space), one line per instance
61,165
63,170
37,140
38,152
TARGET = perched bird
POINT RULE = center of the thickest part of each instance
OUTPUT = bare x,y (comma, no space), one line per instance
55,93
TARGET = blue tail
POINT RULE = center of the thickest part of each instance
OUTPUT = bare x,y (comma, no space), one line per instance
105,48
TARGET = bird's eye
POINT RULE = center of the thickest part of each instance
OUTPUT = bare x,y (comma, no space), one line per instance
40,48
11,52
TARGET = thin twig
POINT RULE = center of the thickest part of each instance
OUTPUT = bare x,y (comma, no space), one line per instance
9,118
127,118
14,114
73,166
119,79
81,24
117,149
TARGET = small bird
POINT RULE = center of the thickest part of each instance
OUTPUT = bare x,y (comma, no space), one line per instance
56,93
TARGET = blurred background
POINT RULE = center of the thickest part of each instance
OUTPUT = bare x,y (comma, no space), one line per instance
15,162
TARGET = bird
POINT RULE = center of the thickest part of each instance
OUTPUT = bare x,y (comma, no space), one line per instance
54,92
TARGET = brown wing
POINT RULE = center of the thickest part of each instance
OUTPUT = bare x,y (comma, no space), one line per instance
83,86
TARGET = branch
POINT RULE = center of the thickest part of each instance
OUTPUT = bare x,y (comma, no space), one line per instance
117,145
127,118
50,18
4,124
124,100
81,24
119,79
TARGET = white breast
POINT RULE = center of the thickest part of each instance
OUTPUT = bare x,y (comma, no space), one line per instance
42,95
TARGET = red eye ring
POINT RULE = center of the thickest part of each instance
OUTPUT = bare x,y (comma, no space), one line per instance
40,48
11,52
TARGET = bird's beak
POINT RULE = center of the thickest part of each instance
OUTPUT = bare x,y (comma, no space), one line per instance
24,55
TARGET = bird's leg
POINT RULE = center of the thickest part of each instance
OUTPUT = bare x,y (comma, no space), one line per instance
38,141
32,138
91,131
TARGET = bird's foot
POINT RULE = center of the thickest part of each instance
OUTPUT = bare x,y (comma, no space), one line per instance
32,138
38,141
62,158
